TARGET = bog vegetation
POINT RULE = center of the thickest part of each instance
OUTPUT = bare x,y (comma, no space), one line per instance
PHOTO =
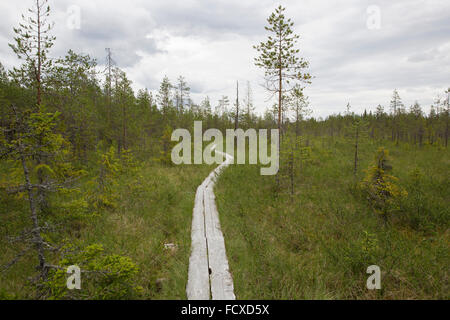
86,178
353,190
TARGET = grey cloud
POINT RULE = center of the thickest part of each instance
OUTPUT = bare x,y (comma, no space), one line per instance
211,19
423,56
411,51
112,27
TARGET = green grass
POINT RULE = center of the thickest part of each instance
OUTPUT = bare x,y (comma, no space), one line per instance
154,207
311,246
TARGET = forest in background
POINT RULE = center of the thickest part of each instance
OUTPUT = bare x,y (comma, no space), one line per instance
75,140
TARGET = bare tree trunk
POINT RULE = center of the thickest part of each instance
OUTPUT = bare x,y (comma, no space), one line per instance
280,95
291,169
355,168
41,196
446,132
124,129
236,119
37,238
38,75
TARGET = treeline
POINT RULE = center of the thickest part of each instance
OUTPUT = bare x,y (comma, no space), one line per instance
397,124
92,109
99,106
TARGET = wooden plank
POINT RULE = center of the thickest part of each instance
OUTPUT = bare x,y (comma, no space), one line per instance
198,287
220,278
221,282
208,275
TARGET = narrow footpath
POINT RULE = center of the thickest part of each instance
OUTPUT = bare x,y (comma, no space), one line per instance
209,276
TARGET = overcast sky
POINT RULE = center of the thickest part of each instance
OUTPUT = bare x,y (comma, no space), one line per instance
354,56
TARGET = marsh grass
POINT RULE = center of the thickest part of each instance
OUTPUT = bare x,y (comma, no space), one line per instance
154,208
318,244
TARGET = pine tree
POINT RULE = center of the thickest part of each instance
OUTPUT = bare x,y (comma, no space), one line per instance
124,99
382,191
348,109
144,118
446,104
248,105
4,82
415,122
182,93
29,137
164,96
206,106
222,107
380,122
397,107
396,103
359,128
32,44
279,58
299,105
73,86
380,111
236,113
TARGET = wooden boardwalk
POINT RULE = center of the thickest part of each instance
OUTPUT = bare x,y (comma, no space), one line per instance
209,276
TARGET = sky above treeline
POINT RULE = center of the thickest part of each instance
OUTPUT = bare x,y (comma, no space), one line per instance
359,51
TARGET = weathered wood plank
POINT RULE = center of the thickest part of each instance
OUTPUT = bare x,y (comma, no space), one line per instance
198,287
209,275
220,277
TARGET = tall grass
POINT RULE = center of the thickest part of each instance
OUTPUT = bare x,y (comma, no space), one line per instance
154,208
318,244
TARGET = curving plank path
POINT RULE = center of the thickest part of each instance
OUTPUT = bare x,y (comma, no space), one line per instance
209,276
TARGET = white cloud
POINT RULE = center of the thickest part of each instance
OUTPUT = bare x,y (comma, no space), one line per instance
210,43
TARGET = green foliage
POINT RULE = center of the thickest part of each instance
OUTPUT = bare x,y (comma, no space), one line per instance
279,57
290,160
31,45
44,183
102,194
5,295
355,256
319,244
104,276
381,188
279,51
128,163
299,105
421,210
73,93
416,201
164,96
166,145
288,251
